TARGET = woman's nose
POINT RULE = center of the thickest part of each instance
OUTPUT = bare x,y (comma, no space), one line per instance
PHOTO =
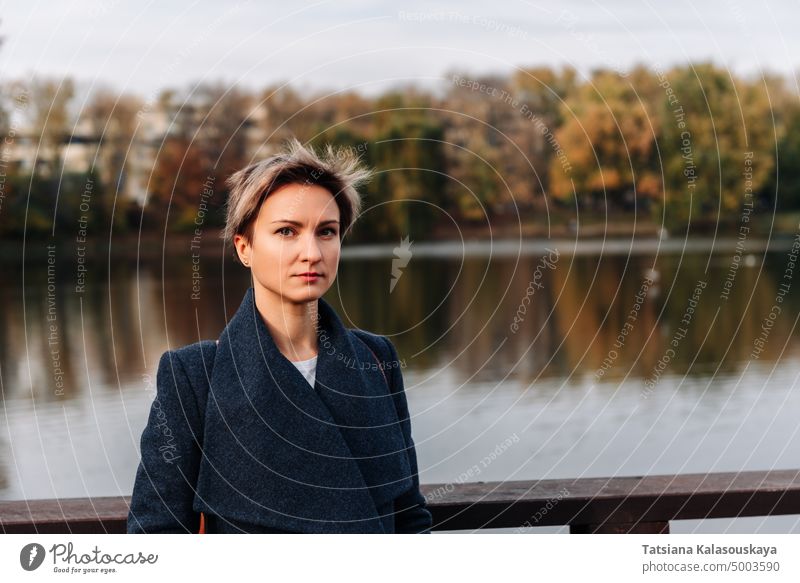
311,248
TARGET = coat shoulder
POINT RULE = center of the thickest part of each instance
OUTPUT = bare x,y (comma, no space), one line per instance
195,357
197,361
377,343
195,353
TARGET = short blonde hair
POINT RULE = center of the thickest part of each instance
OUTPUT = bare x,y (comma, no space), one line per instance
337,170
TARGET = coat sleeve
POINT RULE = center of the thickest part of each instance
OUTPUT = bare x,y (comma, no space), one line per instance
164,488
411,515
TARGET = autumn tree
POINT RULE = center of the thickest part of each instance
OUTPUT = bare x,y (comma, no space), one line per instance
485,166
609,136
222,130
206,141
287,115
539,94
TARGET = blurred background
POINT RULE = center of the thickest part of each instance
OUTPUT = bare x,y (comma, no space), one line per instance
594,211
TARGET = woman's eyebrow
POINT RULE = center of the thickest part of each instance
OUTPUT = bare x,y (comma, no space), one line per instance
301,224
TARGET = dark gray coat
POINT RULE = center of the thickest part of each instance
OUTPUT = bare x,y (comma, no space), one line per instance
270,453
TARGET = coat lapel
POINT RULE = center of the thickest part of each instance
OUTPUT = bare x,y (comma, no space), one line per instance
280,453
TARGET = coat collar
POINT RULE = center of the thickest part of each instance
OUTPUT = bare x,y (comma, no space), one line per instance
280,453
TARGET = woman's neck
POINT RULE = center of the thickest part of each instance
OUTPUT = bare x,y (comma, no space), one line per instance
293,327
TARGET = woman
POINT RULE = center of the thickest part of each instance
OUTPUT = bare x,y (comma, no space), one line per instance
289,422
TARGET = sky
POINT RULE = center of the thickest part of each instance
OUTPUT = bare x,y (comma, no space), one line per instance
144,46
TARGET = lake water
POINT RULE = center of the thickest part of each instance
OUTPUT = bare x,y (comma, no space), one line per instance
601,359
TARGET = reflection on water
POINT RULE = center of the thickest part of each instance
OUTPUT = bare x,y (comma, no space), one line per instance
591,364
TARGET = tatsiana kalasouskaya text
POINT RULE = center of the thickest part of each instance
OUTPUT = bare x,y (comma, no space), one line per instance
708,550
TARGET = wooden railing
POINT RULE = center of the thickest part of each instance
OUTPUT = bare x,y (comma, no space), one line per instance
588,505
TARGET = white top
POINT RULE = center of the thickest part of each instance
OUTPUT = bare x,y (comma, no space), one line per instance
308,368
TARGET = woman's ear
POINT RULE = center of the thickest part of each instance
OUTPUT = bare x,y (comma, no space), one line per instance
242,246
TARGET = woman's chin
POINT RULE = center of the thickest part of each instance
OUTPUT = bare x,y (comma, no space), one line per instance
308,294
298,293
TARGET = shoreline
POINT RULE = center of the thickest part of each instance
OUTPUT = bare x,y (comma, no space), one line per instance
181,245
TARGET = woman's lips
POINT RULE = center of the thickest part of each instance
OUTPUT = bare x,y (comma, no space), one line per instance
309,277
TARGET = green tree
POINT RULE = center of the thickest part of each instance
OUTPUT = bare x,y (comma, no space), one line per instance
708,132
408,156
786,179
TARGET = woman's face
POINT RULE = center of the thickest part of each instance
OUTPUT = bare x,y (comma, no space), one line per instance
296,233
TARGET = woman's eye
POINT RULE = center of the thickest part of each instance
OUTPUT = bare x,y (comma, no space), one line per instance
288,231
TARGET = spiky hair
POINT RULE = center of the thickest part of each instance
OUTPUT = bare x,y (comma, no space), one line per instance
338,170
